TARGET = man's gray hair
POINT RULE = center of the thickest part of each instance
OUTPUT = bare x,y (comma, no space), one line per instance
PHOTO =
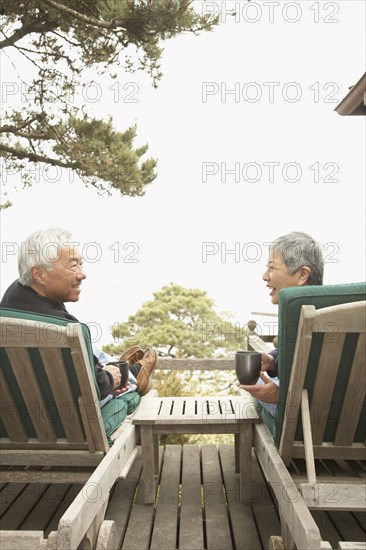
298,250
42,248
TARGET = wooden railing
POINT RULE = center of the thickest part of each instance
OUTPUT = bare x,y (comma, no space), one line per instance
253,341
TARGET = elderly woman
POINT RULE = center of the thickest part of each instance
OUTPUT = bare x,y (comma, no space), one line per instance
294,259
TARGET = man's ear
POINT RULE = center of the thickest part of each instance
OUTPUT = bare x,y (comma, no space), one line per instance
38,275
305,273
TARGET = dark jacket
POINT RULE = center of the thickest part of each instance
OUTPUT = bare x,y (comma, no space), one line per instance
18,296
274,373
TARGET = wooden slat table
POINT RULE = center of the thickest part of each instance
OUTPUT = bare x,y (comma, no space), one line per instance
196,415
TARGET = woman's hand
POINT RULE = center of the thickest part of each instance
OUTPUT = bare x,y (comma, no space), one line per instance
267,392
267,362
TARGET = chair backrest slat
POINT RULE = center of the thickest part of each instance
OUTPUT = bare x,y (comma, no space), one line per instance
325,380
31,393
354,397
90,412
63,399
9,413
296,384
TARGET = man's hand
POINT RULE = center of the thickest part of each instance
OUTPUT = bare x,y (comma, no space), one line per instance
118,392
267,392
115,372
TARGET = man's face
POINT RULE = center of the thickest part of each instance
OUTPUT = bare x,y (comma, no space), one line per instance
277,276
62,283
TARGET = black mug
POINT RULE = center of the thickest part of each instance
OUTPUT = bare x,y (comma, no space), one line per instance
247,366
123,369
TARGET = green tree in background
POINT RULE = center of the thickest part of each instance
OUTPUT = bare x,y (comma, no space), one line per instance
182,322
51,43
179,322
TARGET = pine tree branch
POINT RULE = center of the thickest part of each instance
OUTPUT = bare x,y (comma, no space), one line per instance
8,128
85,18
28,135
32,157
34,26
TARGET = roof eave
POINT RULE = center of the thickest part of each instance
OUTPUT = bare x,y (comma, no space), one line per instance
354,103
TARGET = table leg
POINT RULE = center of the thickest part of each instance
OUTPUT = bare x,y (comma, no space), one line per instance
245,447
156,454
237,453
147,449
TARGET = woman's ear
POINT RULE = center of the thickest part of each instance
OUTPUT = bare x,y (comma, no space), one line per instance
304,273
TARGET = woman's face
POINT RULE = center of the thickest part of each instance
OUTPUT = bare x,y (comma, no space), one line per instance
277,276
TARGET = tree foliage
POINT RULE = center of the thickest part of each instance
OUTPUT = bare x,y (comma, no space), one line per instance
56,41
179,322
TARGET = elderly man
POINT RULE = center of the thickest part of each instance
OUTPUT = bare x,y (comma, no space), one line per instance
295,259
50,273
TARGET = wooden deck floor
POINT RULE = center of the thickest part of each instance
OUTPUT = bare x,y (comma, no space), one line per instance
197,506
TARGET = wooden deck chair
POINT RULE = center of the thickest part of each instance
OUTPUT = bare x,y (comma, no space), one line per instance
321,412
52,429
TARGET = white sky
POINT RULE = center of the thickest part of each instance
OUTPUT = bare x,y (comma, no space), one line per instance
289,64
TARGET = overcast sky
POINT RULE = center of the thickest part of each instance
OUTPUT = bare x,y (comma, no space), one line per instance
249,147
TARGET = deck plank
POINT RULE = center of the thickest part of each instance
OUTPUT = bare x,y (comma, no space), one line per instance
166,516
140,524
263,506
121,499
218,534
191,526
243,525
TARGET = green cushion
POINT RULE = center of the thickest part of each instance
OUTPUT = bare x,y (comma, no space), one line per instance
290,301
116,410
